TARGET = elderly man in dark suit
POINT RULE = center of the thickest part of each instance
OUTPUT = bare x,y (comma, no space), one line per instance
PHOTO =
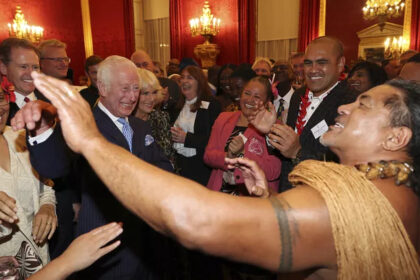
118,85
312,108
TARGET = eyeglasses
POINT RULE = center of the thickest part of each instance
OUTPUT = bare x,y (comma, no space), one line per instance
58,59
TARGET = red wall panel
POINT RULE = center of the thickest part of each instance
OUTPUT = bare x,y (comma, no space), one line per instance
110,29
343,19
61,20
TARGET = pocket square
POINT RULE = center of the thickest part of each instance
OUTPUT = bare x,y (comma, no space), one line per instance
148,140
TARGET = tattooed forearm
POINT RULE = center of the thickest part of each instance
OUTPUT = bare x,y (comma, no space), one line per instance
281,207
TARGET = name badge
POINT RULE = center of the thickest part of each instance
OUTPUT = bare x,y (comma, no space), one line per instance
319,129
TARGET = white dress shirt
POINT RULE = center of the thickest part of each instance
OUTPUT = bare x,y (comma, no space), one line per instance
315,102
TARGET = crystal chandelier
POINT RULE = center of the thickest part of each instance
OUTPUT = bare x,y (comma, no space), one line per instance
21,29
383,9
207,25
394,47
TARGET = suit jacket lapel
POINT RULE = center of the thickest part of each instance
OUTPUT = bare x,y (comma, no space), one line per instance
294,107
40,96
108,129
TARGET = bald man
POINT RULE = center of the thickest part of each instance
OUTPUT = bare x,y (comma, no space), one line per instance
411,70
142,60
312,108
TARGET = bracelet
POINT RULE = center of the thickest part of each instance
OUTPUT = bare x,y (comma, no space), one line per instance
297,159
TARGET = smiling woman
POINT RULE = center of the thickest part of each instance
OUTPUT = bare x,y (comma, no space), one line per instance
233,136
366,75
191,131
158,120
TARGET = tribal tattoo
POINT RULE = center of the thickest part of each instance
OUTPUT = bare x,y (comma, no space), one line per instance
281,207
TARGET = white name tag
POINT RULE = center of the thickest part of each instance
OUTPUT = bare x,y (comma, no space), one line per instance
319,129
204,105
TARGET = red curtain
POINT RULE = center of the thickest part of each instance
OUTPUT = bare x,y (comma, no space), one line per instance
308,22
129,27
175,27
415,25
247,25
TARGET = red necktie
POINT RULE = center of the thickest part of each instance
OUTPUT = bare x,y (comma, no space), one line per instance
304,104
26,99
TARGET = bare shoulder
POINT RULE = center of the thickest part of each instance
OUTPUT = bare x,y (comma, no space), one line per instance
406,203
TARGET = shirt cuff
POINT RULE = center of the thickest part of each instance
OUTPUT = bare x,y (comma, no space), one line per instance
40,138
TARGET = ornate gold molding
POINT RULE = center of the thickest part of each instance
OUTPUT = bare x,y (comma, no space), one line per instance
87,30
322,15
407,23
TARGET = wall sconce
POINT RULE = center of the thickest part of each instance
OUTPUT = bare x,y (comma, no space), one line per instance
22,30
394,47
208,27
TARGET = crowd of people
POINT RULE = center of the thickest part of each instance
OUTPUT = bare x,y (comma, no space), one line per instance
275,166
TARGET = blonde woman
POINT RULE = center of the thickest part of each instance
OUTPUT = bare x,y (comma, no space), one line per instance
150,96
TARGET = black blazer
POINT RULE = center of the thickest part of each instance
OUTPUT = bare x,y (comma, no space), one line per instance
194,167
327,110
98,205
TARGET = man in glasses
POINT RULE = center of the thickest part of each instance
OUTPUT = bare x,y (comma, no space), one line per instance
55,63
54,59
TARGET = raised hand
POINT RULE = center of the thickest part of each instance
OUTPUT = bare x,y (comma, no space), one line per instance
178,135
262,119
8,209
254,177
73,111
284,139
44,223
236,146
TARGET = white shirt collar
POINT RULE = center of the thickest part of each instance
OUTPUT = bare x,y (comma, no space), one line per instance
111,116
322,96
192,101
288,95
20,98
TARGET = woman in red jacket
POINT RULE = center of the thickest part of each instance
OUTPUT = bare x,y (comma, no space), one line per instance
233,136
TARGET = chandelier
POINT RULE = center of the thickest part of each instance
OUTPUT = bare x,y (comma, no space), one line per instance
394,47
22,30
383,9
207,25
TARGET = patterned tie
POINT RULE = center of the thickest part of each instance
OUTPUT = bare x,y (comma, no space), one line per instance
281,109
127,132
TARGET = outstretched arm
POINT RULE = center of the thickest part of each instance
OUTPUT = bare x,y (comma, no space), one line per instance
295,235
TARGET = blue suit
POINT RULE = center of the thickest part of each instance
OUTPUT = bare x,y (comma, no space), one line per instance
99,206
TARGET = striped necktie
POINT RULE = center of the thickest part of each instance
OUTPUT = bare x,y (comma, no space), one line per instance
127,132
